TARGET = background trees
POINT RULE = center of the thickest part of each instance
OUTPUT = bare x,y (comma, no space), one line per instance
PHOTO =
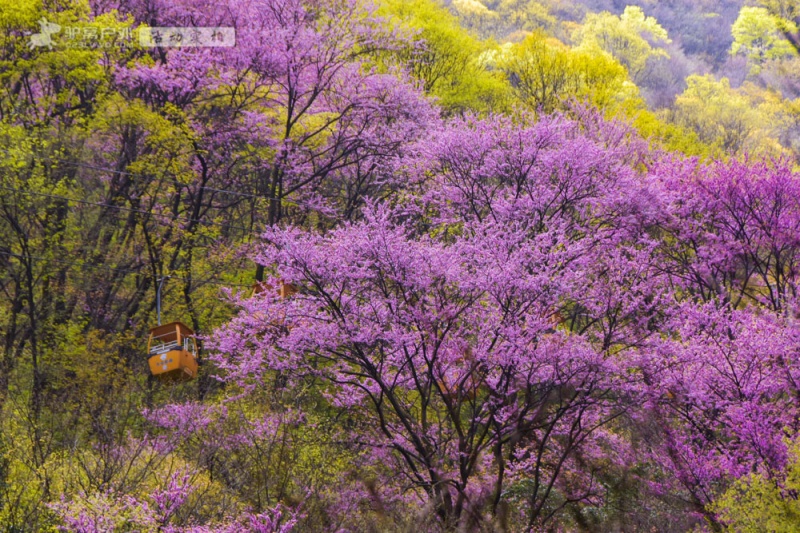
447,59
787,14
627,37
756,34
546,74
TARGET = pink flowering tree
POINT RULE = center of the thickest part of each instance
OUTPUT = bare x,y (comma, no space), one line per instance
296,110
723,391
495,335
456,329
443,362
734,231
194,149
722,380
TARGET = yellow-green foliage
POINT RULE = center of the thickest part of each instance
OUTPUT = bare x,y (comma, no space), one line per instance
624,37
449,64
757,35
42,459
18,14
545,73
504,18
84,71
604,80
734,120
166,140
755,504
526,14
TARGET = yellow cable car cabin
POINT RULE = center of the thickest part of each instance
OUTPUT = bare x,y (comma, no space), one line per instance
173,352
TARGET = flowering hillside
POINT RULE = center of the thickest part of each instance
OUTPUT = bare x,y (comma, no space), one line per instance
333,265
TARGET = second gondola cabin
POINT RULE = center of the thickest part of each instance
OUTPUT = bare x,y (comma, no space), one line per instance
172,350
284,290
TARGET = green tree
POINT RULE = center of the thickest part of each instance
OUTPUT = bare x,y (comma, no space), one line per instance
505,19
627,37
787,17
720,116
448,62
756,34
540,70
546,72
750,118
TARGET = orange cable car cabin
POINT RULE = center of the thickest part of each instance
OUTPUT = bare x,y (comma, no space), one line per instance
172,350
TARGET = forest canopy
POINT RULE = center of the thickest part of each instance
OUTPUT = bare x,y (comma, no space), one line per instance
468,265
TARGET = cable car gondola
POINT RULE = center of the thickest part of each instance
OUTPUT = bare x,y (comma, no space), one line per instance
283,289
173,352
172,348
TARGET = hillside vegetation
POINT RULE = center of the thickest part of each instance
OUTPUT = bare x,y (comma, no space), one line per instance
477,265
